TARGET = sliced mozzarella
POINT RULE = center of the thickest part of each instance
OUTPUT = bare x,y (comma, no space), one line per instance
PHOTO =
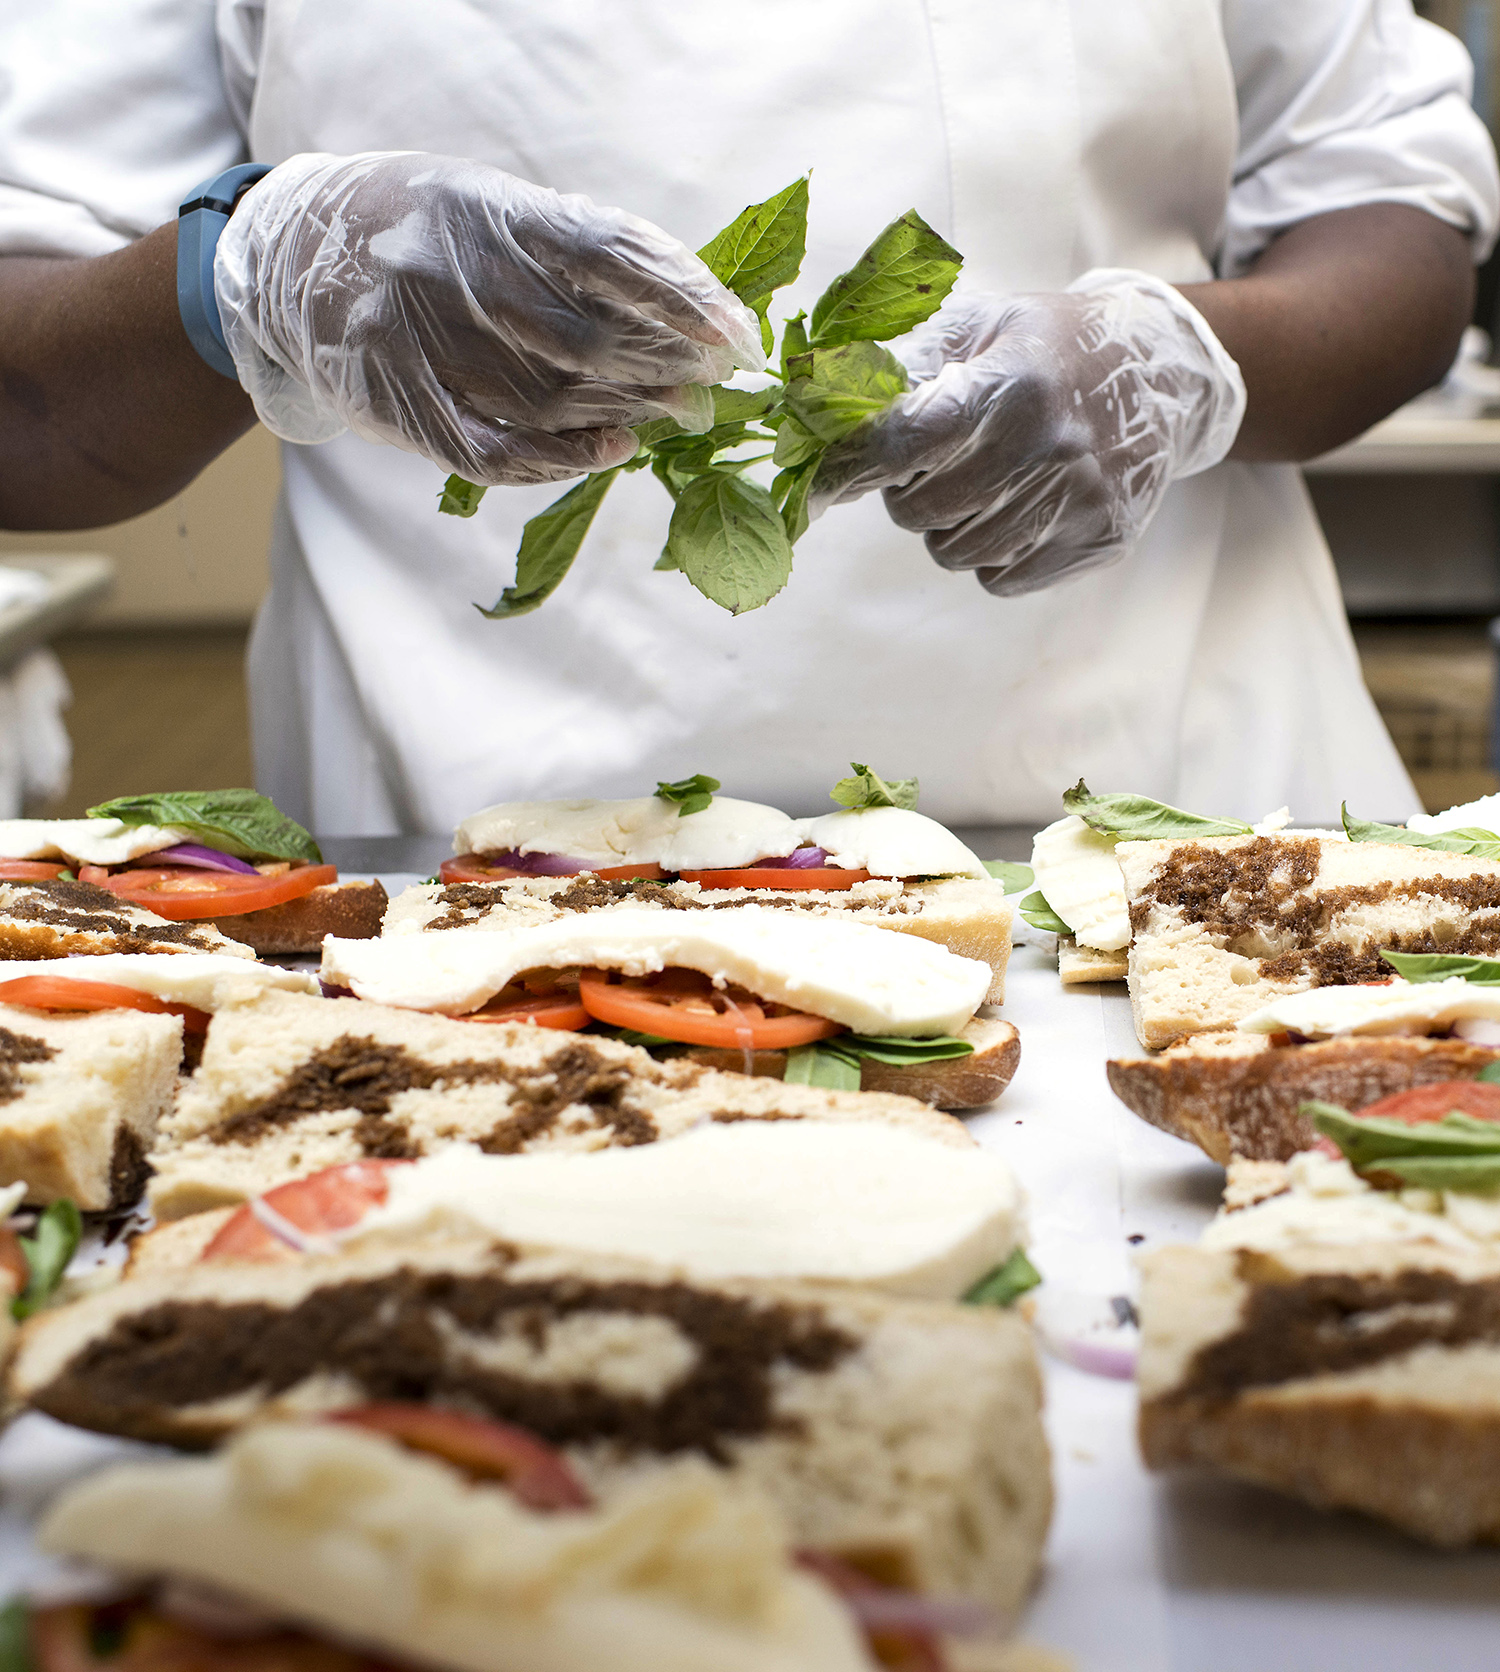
840,1201
1483,814
1397,1007
205,980
85,841
891,842
1077,871
644,831
866,978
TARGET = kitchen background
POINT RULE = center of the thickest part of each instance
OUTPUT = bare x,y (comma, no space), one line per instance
1412,512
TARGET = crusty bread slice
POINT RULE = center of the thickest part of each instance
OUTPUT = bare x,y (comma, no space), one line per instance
76,919
80,1098
291,1084
1078,965
952,1083
906,1434
1237,1093
1223,926
350,910
1363,1377
968,915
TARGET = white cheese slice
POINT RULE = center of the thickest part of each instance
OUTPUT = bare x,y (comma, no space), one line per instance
1483,814
643,831
1077,871
866,978
892,842
1399,1007
840,1201
205,980
85,841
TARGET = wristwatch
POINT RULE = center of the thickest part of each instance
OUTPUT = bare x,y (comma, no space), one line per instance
201,217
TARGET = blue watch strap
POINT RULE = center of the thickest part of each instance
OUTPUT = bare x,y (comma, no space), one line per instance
201,217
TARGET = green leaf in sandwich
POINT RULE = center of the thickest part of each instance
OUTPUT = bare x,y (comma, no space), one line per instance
1421,967
868,789
1477,844
48,1250
1457,1152
692,795
236,822
1006,1283
1035,911
834,1063
1137,818
1013,878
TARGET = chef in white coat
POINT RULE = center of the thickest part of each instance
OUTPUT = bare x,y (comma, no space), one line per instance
1075,549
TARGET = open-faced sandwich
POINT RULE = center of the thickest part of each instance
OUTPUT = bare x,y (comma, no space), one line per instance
211,863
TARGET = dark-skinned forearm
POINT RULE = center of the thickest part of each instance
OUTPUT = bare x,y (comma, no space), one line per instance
1342,319
106,409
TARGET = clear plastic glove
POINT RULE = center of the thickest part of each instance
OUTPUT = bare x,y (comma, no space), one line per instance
497,328
1044,429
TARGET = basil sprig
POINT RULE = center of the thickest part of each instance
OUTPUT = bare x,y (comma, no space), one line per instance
1035,911
834,1063
237,822
731,537
1012,877
692,795
1006,1283
1421,967
1477,844
1457,1152
868,789
1137,818
48,1251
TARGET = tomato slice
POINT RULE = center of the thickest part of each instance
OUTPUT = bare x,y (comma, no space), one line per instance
539,1476
1421,1104
331,1200
30,870
685,1006
470,867
555,1010
58,992
829,880
13,1260
182,895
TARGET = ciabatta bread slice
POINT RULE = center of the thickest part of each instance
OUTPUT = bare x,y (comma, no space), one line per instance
74,919
1077,965
1238,1094
1224,925
904,1434
351,910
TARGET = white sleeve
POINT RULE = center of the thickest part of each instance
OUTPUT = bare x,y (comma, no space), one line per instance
110,112
1346,102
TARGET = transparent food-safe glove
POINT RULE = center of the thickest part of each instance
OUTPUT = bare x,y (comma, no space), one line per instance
501,330
1043,430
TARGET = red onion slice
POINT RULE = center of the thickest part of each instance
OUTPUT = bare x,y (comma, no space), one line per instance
539,864
801,859
197,856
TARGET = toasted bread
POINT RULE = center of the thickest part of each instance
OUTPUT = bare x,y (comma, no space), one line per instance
351,910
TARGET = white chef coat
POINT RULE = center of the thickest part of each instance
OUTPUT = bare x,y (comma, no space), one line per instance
1212,667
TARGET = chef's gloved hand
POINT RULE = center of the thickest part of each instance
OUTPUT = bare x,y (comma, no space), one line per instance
499,329
1043,430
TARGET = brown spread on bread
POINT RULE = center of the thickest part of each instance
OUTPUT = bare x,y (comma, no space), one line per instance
399,1336
16,1048
128,1167
79,908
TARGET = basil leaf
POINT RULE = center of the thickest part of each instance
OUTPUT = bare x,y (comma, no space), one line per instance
729,540
1006,1283
816,1065
460,498
15,1637
866,789
741,406
1490,1073
1464,1173
237,822
1035,911
897,283
832,392
762,248
692,795
899,1052
1368,1142
1137,818
794,444
789,494
48,1250
549,543
1014,877
1478,844
1441,966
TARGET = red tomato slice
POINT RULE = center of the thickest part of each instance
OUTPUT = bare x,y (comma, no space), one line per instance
470,867
831,881
182,895
13,1261
539,1476
331,1200
1478,1098
30,870
685,1006
58,992
556,1010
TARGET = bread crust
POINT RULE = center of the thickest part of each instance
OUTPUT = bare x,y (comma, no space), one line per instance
350,910
1237,1094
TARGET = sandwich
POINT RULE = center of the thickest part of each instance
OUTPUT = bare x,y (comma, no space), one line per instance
820,1000
403,1537
1337,1338
289,1084
902,1435
216,862
65,918
1241,1092
876,859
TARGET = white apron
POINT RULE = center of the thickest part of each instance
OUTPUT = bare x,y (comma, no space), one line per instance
1212,668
